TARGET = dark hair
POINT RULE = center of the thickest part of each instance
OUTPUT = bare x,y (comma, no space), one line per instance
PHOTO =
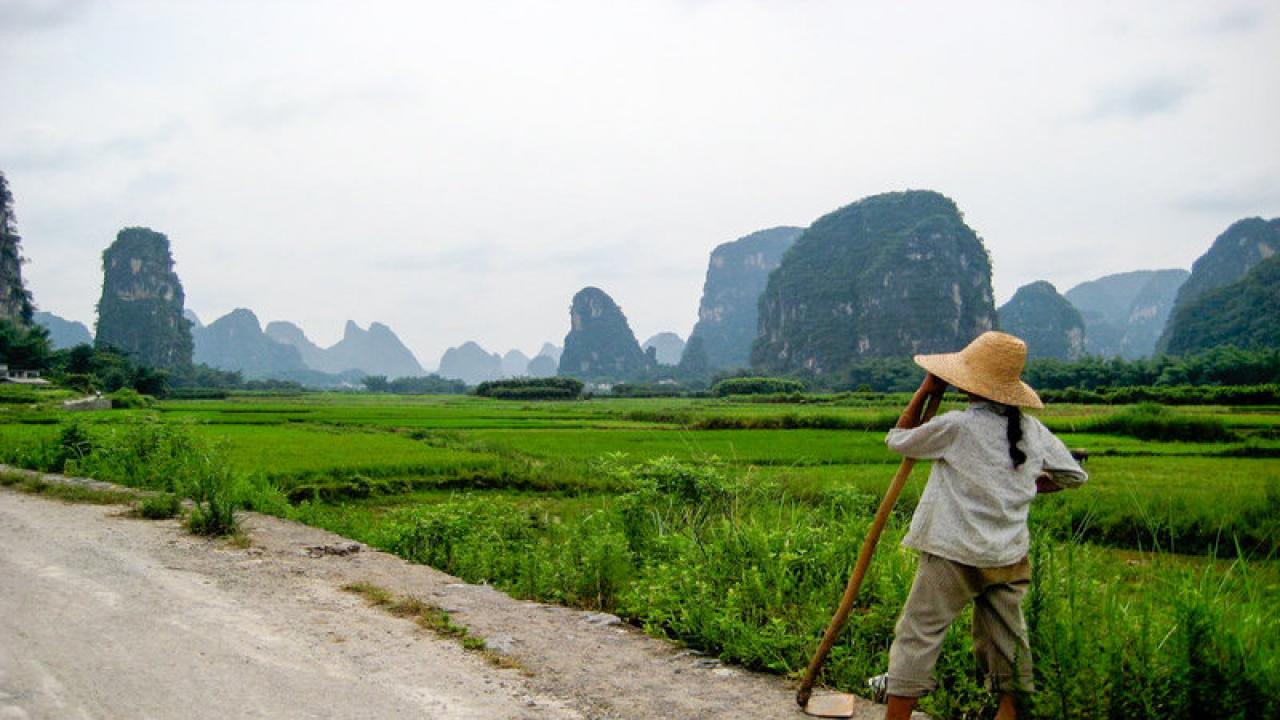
1014,432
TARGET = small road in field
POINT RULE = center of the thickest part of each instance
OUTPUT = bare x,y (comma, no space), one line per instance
103,615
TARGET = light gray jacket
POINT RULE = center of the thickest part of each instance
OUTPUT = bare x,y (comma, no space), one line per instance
974,507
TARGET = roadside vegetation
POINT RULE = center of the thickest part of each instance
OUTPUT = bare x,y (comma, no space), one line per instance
730,523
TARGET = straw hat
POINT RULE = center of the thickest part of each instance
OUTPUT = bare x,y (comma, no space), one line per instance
989,366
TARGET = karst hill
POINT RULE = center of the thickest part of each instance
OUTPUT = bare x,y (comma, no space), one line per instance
888,276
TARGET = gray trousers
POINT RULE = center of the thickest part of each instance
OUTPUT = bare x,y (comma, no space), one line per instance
941,590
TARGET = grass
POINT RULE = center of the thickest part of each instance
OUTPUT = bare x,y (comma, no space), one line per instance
431,618
730,524
72,493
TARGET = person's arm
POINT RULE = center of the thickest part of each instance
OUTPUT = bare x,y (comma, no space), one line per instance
928,441
1059,469
932,385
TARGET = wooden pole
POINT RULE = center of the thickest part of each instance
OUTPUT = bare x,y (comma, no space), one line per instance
864,556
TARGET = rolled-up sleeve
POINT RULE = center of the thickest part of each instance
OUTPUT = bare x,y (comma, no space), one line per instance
927,442
1057,460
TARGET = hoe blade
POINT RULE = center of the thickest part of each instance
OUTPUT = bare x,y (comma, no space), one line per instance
832,705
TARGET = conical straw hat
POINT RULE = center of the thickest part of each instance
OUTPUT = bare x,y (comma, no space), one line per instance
990,366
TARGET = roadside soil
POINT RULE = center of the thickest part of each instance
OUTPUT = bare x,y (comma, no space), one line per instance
103,615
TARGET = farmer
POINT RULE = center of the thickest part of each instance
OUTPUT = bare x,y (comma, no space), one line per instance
970,526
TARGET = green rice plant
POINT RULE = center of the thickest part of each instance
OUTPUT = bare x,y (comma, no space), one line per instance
1150,421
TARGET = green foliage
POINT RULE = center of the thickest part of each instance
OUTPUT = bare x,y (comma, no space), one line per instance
160,506
211,484
425,385
24,347
600,345
887,276
756,386
1245,313
1170,395
15,298
130,399
552,388
646,390
1051,326
1217,366
1150,421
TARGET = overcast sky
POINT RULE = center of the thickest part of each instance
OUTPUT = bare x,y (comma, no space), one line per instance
458,170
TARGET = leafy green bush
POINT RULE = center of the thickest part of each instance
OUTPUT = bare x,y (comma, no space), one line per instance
212,486
756,386
550,388
160,506
130,399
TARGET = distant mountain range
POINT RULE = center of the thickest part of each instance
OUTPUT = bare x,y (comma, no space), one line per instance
1125,313
63,333
376,351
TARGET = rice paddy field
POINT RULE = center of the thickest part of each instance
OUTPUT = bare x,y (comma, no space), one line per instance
731,525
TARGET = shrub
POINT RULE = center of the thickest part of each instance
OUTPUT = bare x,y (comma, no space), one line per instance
160,506
211,485
550,388
130,399
756,386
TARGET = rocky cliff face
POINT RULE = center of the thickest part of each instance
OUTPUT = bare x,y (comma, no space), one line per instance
471,364
1245,313
376,351
667,346
235,341
1051,326
1124,313
1237,250
15,299
63,333
600,344
142,301
889,276
736,276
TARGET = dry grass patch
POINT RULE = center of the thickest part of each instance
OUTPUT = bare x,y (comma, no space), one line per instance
432,618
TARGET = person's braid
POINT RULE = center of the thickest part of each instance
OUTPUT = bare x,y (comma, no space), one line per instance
1014,432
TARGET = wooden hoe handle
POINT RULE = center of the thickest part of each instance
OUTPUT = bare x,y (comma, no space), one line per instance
868,549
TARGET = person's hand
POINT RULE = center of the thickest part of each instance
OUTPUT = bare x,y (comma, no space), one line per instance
1045,484
934,385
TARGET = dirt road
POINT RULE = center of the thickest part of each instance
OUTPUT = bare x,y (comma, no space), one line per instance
107,616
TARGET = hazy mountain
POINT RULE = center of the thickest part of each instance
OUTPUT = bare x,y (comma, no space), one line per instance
888,276
141,310
15,299
63,333
668,345
376,351
1124,313
543,366
1233,253
191,316
287,333
515,364
471,364
1051,326
235,341
1245,313
600,344
736,276
550,350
